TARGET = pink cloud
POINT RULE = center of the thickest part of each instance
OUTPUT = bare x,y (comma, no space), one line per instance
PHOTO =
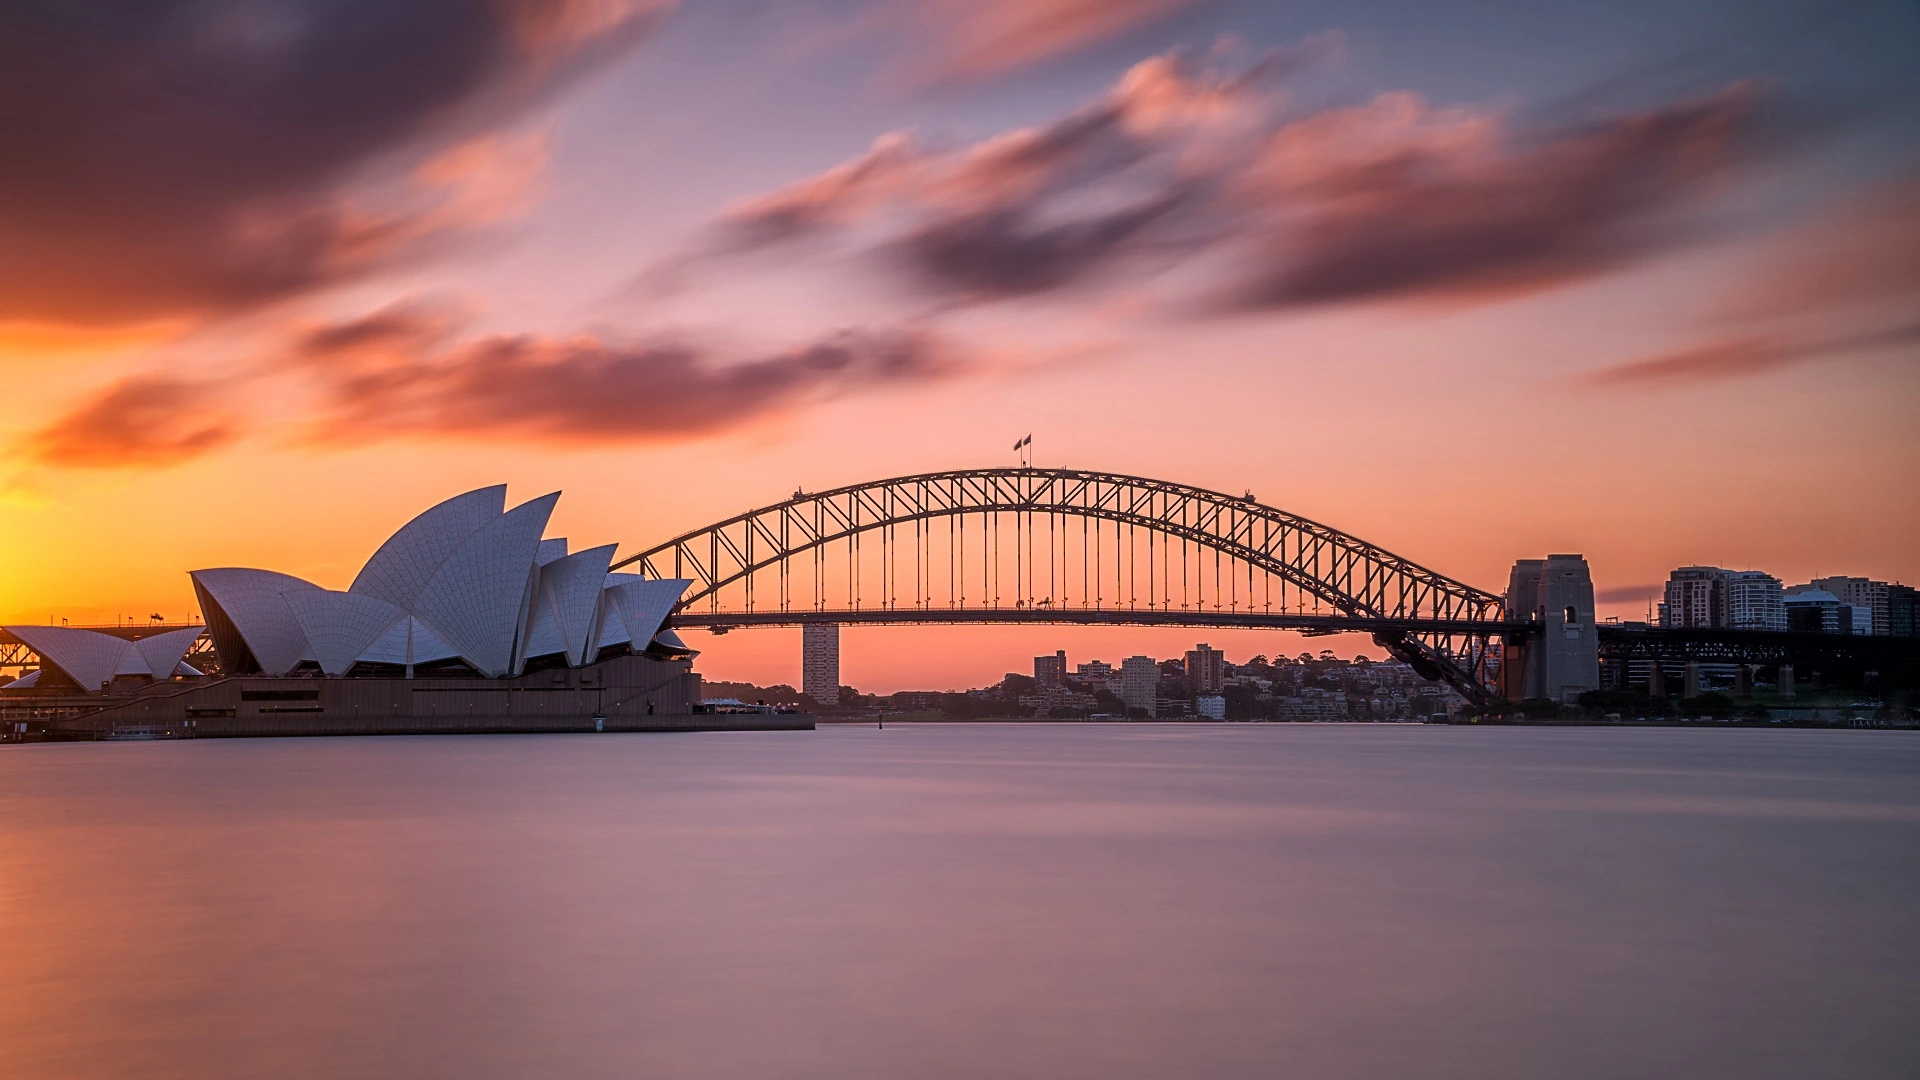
142,422
1191,159
987,37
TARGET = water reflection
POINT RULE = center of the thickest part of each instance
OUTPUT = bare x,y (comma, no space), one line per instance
1077,901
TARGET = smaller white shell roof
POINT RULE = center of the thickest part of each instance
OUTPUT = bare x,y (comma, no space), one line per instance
162,653
543,634
570,591
252,600
90,659
551,549
340,626
613,629
392,646
644,605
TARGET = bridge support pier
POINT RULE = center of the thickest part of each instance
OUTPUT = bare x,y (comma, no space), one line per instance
1743,681
1656,681
1563,660
1785,684
1690,686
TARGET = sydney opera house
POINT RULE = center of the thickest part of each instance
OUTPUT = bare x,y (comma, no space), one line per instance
466,619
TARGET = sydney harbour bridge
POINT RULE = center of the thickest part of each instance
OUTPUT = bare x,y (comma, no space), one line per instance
1024,545
1073,546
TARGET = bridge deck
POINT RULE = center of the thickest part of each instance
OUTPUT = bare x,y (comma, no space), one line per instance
1252,620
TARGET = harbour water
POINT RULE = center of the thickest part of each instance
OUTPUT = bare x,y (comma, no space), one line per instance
1308,901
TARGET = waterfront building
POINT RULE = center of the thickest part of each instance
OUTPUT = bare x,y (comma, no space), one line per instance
1206,670
1140,683
1050,671
820,662
1755,601
1210,706
467,618
466,588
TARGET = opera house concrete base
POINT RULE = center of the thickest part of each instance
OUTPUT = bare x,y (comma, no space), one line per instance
622,693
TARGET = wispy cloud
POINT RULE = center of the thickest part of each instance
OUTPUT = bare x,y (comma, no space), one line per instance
986,37
147,421
1742,357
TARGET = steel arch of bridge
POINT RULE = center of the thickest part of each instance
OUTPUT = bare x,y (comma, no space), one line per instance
1440,625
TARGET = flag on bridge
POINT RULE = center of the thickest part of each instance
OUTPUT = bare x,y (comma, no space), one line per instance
1018,443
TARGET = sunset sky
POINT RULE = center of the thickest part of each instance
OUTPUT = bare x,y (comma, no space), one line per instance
1473,280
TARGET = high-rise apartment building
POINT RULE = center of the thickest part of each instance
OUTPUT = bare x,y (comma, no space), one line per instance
820,662
1139,683
1754,601
1696,596
1050,672
1860,593
1206,670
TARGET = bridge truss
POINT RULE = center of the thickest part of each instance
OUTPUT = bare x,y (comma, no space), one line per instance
1072,546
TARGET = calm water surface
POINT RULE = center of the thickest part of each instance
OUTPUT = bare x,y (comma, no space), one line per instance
1045,901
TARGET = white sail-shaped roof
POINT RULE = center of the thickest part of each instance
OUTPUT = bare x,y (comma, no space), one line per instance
90,659
25,682
340,626
551,550
251,601
400,571
543,633
162,653
392,646
613,629
477,599
644,605
570,591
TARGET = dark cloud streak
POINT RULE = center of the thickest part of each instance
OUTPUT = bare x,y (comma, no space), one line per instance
169,158
400,373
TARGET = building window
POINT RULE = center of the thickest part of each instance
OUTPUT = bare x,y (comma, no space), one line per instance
1573,617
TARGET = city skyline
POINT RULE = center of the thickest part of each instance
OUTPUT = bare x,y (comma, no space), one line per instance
1654,309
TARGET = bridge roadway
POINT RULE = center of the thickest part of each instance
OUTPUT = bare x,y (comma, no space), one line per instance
1311,625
